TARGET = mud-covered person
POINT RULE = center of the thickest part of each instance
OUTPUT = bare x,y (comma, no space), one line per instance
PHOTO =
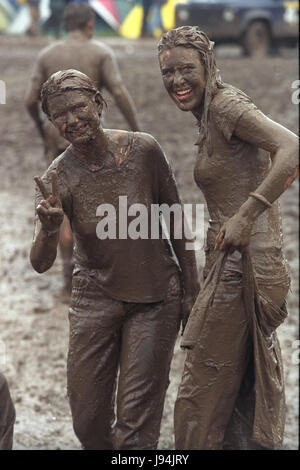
245,162
129,293
7,415
77,51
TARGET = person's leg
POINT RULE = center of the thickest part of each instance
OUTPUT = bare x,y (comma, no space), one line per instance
7,416
215,403
214,369
146,9
156,23
95,324
35,16
148,339
239,432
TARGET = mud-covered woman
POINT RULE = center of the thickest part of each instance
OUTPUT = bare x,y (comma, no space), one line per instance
232,392
129,292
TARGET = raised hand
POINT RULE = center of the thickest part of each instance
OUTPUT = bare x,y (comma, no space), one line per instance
50,210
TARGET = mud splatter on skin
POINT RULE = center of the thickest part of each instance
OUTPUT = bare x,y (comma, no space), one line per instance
80,115
63,129
184,77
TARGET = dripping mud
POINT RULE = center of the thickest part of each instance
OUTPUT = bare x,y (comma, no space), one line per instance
34,321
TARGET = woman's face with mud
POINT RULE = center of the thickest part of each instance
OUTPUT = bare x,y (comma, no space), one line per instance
76,114
184,76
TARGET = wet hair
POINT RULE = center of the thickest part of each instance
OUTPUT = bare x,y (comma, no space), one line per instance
76,15
68,80
193,37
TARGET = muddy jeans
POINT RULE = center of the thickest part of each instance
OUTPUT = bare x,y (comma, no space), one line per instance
7,416
107,335
216,391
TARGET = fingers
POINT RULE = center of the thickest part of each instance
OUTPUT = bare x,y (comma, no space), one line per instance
219,240
54,180
49,211
45,204
230,247
53,197
41,210
223,244
42,187
226,245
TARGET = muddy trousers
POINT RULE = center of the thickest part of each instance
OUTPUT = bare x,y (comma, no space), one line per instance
217,382
137,340
7,416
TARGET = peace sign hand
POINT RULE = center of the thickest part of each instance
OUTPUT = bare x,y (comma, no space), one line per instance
50,210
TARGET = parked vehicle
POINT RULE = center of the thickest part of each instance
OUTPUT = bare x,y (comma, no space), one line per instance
259,26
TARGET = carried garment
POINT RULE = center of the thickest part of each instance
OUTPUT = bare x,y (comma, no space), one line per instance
232,391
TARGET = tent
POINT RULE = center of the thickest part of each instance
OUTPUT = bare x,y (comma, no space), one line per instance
122,16
132,22
15,17
8,11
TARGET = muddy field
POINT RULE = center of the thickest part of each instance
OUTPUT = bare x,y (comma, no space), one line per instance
34,325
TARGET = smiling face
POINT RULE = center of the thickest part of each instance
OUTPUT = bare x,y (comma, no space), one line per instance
76,115
184,76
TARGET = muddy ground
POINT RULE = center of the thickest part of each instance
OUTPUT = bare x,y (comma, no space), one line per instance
34,325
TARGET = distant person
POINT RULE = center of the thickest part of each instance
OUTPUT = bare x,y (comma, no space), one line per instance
78,51
34,9
54,22
7,416
157,26
148,28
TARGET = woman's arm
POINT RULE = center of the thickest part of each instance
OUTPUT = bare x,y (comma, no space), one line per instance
168,195
257,129
44,247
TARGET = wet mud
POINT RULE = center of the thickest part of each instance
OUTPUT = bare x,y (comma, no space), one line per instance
34,321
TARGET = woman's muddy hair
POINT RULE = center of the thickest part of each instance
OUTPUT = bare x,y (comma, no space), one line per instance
193,37
68,80
76,16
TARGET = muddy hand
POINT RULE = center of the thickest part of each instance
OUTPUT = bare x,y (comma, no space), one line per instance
234,234
50,208
219,241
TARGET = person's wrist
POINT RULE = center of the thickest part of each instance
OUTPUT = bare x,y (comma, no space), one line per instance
50,231
250,210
